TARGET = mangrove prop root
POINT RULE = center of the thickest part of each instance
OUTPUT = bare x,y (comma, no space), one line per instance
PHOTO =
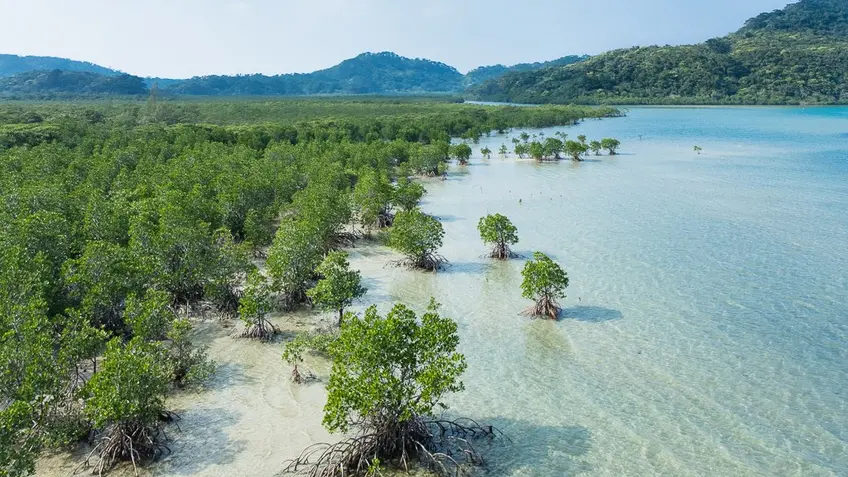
126,441
262,330
546,307
441,446
502,252
431,262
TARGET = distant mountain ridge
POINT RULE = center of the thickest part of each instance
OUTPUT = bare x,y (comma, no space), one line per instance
794,55
368,73
13,64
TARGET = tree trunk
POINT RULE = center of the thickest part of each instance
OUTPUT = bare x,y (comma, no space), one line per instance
341,316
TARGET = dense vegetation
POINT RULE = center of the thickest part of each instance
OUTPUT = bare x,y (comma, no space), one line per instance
368,73
798,54
58,83
14,64
119,221
389,378
485,73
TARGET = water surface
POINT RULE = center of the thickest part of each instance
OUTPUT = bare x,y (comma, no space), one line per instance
705,326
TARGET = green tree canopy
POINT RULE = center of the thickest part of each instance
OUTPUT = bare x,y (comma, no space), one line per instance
296,251
340,285
610,145
575,150
544,282
461,152
254,307
418,236
498,230
389,375
372,197
126,403
408,194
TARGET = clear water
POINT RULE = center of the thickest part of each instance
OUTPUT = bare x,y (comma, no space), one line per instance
706,325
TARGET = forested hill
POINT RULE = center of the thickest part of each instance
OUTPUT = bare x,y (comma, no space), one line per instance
58,83
14,64
485,73
789,56
368,73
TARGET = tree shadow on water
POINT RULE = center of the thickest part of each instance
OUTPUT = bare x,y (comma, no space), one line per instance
536,450
448,218
590,314
201,441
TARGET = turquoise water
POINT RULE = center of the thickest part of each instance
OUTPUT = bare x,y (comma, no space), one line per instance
706,324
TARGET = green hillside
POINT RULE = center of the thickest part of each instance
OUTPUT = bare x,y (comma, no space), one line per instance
58,83
485,73
798,54
13,64
368,73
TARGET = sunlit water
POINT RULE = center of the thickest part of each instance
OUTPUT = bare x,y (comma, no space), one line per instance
704,332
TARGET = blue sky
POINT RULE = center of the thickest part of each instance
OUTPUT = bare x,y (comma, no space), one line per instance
182,38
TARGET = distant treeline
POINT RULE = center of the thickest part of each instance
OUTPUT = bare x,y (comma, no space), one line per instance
369,73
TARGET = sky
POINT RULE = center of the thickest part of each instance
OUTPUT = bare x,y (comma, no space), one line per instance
184,38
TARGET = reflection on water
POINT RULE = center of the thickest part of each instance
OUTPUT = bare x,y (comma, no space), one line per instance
704,332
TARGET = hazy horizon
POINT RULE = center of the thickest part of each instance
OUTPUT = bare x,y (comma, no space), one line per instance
194,38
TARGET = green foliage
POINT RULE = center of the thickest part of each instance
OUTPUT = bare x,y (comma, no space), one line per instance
233,265
391,369
595,146
296,251
498,230
130,385
798,54
461,152
485,73
610,145
71,83
255,304
372,197
575,149
189,366
407,194
368,73
418,236
503,151
114,215
14,64
542,276
340,285
486,152
536,150
149,317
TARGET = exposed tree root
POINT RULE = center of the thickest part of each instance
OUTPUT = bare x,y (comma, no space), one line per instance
546,307
127,441
502,252
344,239
431,262
227,305
301,378
441,446
385,219
262,330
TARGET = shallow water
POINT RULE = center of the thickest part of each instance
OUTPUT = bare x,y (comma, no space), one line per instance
705,328
704,331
